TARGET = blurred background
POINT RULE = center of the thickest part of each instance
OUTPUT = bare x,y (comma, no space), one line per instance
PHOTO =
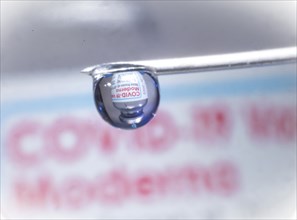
222,146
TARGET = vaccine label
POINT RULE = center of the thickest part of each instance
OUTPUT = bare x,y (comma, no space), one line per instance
128,87
205,146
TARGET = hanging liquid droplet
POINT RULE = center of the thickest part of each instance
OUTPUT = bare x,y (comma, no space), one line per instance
126,98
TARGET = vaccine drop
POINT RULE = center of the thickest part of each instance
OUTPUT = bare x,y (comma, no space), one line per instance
127,99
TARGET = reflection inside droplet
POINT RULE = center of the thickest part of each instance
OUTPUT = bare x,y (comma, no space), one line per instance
127,99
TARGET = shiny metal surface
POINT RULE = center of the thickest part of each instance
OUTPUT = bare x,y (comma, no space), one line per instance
213,62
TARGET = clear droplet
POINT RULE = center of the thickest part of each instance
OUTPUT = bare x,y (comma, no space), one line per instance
126,98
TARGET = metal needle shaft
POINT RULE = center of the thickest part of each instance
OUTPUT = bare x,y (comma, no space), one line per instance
213,62
220,62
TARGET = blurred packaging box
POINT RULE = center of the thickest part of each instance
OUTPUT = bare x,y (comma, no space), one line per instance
223,145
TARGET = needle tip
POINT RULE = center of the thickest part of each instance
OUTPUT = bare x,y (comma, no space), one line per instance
89,70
